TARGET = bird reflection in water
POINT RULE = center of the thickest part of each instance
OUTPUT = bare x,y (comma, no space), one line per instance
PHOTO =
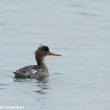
42,84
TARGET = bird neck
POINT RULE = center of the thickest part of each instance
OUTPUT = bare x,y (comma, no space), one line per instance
40,62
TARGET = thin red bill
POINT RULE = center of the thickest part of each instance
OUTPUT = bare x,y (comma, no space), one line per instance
53,54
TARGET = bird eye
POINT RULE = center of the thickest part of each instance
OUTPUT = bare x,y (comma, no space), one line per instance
47,52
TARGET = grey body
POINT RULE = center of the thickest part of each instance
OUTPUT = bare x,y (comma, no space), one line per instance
31,71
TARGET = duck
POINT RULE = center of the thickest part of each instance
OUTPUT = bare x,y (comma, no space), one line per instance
39,70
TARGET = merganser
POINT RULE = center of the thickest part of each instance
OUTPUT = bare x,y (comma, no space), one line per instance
36,71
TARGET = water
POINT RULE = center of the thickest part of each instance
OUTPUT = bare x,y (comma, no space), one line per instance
79,30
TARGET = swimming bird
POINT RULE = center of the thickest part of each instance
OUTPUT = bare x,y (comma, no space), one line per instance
36,71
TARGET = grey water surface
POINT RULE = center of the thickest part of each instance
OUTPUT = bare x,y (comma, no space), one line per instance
77,29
